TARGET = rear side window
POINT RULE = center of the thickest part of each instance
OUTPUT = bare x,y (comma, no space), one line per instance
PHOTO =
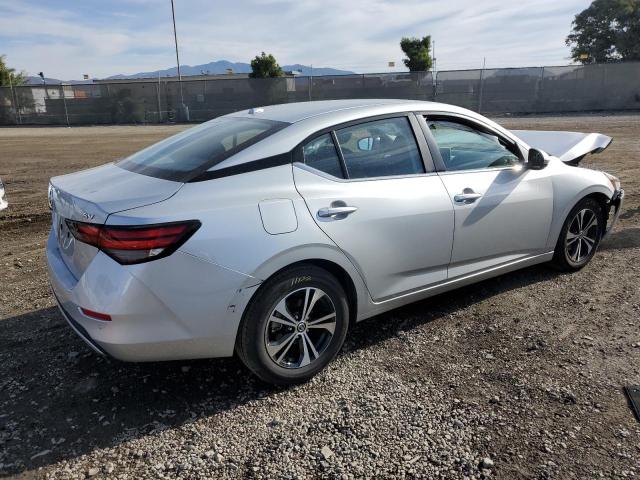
191,152
380,148
321,154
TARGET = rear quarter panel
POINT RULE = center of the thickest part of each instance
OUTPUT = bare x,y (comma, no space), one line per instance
233,233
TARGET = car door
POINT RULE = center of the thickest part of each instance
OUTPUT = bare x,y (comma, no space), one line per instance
370,186
502,210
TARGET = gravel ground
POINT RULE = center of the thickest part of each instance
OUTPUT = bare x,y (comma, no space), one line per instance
516,377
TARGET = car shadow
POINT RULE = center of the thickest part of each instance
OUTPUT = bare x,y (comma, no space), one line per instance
622,239
60,400
502,186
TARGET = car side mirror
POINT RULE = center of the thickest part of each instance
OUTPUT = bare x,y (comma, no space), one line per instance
365,144
537,160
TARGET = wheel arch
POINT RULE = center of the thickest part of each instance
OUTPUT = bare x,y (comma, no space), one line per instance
598,192
345,280
603,200
338,271
330,258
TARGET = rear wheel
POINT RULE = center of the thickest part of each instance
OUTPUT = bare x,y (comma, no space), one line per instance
295,326
580,236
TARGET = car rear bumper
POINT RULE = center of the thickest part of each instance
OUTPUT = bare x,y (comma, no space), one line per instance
179,307
616,203
79,329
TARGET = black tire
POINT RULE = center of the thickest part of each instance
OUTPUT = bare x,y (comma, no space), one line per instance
255,342
566,256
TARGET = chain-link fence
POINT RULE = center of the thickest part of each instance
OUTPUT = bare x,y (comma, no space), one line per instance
492,91
612,86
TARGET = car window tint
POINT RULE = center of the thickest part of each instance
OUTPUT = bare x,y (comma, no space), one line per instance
320,153
199,148
464,148
232,141
381,148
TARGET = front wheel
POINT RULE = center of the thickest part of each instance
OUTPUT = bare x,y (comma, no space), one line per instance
295,326
580,236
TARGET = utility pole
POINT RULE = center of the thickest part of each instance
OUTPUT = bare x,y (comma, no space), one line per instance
175,38
433,56
44,82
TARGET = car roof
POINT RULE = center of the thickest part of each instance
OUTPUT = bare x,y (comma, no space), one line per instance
306,118
296,112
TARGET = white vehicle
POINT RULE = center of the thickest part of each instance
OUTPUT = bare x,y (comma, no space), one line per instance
3,199
268,232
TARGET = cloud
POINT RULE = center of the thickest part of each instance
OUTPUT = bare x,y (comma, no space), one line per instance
66,39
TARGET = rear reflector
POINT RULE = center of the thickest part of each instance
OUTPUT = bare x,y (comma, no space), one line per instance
134,244
96,315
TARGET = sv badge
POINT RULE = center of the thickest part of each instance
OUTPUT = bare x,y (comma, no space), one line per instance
87,216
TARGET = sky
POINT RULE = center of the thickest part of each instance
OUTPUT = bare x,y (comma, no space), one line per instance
68,38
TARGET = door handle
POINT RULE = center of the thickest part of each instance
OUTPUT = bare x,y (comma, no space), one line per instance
336,212
467,196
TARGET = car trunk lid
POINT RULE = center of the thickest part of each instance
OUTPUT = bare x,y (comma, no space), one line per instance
570,147
91,196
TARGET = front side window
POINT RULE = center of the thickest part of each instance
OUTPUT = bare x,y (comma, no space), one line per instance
197,149
464,148
380,148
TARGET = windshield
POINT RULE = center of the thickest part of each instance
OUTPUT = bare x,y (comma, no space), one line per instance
194,151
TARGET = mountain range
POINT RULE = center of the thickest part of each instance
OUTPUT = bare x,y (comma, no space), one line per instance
211,68
221,67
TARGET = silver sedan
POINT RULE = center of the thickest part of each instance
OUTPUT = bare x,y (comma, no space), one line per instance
269,232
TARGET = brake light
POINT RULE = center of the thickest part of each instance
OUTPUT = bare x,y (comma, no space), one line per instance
96,315
134,244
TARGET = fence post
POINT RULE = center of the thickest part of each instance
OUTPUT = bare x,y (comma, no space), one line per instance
64,102
18,108
480,92
434,85
14,99
158,95
541,89
604,85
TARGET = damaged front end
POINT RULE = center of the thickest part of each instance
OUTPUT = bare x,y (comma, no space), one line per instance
570,147
615,207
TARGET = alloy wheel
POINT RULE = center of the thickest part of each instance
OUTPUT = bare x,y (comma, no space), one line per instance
582,235
300,328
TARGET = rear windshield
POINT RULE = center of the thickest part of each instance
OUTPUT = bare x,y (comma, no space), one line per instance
186,155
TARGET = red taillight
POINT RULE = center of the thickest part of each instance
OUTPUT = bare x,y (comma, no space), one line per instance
95,315
85,232
134,244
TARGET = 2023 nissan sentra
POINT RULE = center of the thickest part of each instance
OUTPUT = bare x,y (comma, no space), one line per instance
268,232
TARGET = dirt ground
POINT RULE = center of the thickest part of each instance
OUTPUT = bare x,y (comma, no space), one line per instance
526,369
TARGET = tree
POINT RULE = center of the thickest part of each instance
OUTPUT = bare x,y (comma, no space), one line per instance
607,31
7,74
265,66
418,52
